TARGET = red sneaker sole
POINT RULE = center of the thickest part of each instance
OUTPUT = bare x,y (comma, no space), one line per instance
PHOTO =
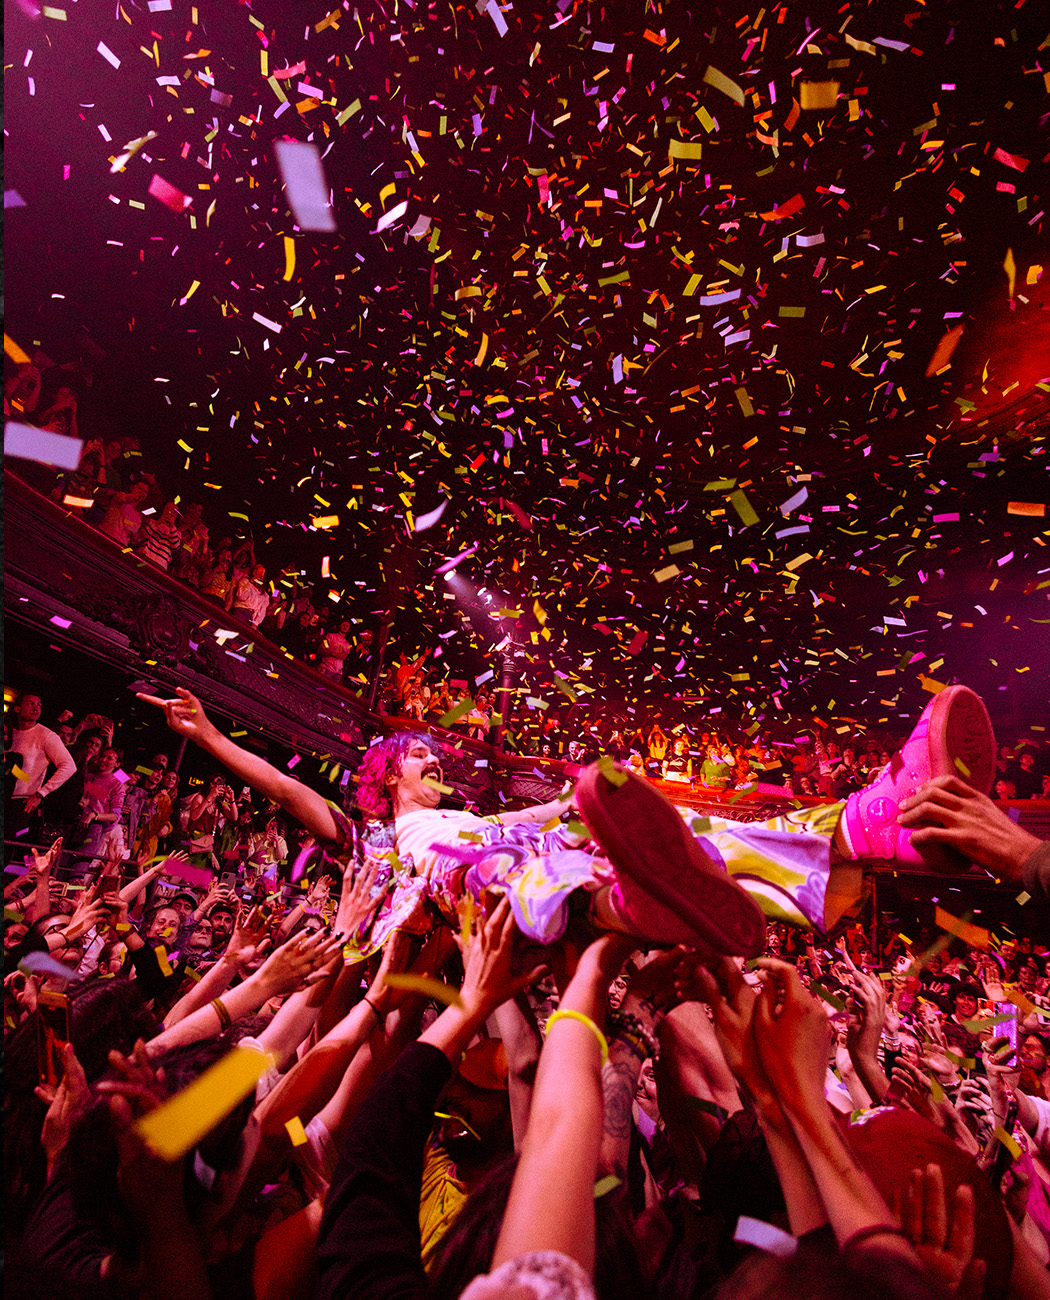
962,742
646,840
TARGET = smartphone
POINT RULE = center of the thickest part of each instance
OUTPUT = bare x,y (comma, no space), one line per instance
1003,1158
228,880
110,888
52,1029
1008,1026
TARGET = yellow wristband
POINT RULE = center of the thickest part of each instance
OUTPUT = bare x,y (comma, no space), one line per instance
584,1020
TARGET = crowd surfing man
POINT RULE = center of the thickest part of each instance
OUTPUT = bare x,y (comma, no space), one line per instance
657,872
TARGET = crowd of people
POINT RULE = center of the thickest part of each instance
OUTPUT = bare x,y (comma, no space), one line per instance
595,1047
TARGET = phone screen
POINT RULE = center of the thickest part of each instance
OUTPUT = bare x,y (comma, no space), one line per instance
1008,1025
52,1032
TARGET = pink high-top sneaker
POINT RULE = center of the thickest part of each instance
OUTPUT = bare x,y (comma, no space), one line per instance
952,738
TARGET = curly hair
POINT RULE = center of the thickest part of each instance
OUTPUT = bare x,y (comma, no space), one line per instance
380,763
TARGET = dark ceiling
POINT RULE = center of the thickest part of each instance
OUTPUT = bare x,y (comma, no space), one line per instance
675,348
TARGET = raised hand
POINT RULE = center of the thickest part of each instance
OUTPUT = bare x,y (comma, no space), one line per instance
177,856
488,957
356,905
867,1012
397,956
794,1038
249,937
65,1102
138,1082
317,894
40,864
945,1249
911,1087
185,715
302,961
732,1002
89,911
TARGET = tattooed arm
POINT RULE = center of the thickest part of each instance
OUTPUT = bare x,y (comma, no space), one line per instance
632,1039
619,1084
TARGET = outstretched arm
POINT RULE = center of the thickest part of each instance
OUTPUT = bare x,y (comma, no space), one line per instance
186,717
551,1203
543,812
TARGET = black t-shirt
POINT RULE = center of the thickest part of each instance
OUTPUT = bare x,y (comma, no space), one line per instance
938,989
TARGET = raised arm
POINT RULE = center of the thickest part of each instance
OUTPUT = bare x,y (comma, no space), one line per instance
543,812
551,1203
186,717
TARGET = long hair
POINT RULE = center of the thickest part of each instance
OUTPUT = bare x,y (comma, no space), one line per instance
380,763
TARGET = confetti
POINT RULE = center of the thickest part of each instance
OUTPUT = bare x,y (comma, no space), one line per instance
773,1240
428,986
31,443
168,194
304,185
179,1124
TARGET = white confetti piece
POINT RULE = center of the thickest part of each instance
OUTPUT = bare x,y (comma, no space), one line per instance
753,1232
430,519
388,218
305,185
42,445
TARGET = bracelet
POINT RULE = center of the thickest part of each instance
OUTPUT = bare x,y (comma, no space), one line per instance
219,1007
374,1008
583,1020
873,1230
636,1029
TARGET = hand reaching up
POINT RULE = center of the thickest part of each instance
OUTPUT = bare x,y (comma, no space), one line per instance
41,864
488,982
945,1248
184,715
249,938
300,962
794,1039
356,904
66,1102
732,1002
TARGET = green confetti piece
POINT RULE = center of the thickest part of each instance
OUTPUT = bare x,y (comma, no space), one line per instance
427,985
836,1003
455,713
743,508
978,1025
726,85
610,771
565,689
605,1185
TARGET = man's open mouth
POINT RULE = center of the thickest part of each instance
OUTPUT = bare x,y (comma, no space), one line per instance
433,771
